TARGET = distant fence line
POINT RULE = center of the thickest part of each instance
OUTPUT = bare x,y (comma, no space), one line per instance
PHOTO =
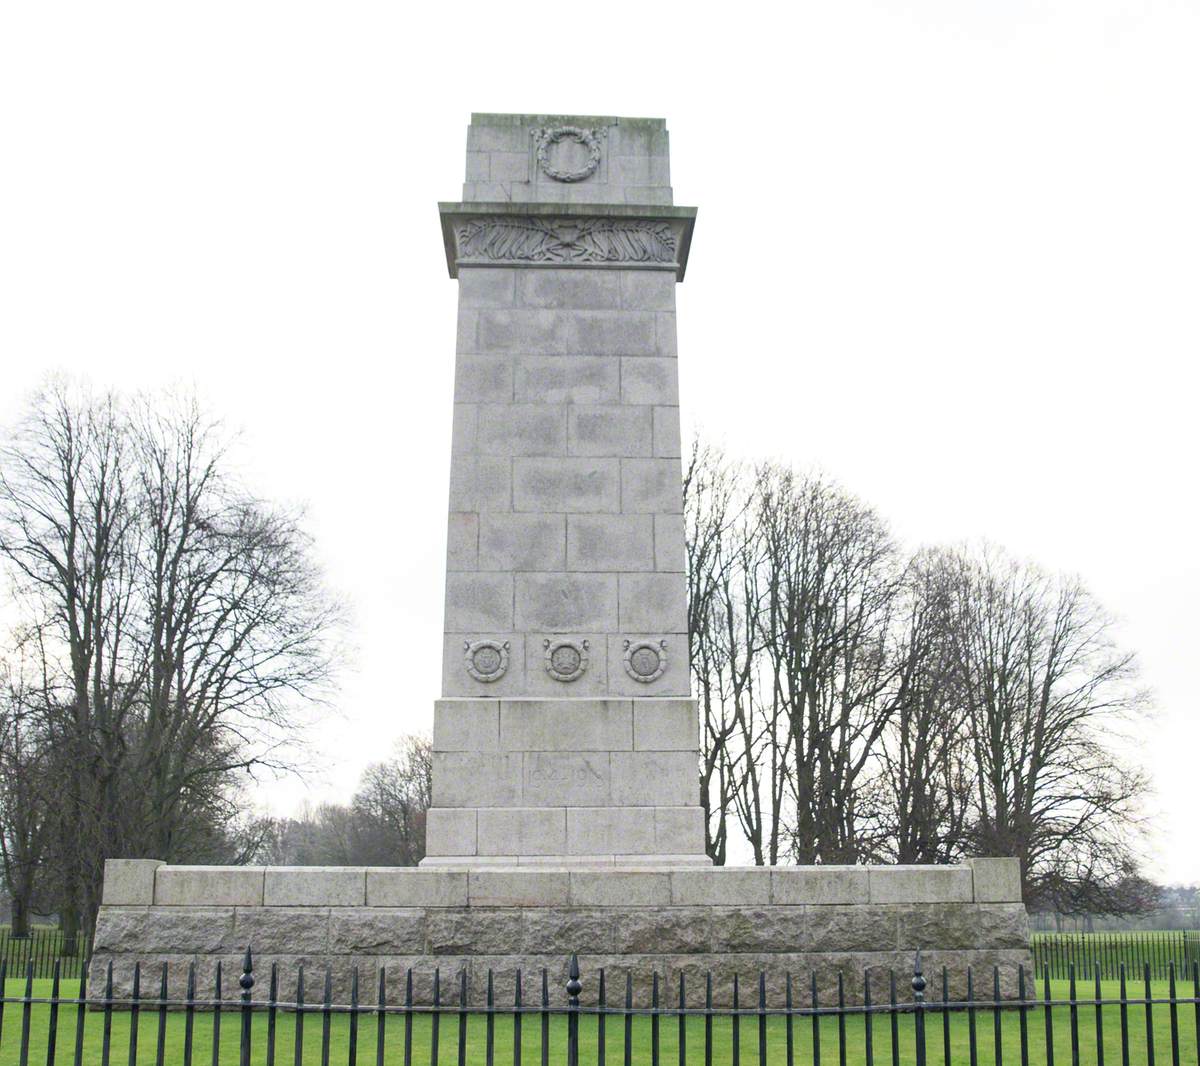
1058,952
43,947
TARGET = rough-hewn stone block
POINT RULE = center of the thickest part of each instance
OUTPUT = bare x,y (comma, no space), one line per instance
201,886
743,929
564,930
315,886
173,930
377,931
281,930
676,930
129,882
857,928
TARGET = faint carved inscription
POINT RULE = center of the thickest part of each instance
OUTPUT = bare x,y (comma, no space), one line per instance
529,239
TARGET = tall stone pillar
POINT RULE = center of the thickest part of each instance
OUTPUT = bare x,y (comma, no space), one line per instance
566,733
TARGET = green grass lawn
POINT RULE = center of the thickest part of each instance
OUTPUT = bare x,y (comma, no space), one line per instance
855,1037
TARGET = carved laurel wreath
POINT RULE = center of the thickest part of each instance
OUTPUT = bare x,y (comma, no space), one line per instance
566,660
645,660
486,660
590,139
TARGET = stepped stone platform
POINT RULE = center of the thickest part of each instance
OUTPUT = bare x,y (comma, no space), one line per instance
639,921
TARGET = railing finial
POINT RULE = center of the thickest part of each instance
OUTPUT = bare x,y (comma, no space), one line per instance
574,985
918,980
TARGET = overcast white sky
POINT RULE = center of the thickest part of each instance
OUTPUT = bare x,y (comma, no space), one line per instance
947,251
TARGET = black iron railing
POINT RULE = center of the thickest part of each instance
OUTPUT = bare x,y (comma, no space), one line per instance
1083,1021
43,947
1109,951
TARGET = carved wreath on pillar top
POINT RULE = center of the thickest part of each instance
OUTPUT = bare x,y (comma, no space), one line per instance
530,239
546,137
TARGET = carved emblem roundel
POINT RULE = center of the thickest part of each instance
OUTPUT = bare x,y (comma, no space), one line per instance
487,660
645,660
566,660
548,138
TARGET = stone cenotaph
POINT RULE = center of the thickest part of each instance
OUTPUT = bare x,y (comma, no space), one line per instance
566,810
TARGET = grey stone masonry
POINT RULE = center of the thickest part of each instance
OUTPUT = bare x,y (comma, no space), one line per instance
567,729
566,812
662,919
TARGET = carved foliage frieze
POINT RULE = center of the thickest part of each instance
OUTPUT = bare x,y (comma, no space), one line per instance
529,239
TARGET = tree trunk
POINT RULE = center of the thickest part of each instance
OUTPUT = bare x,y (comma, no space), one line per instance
19,924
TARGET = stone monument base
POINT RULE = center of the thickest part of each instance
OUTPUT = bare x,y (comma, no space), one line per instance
727,920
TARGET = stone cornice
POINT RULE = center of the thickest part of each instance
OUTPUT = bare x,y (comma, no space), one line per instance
629,236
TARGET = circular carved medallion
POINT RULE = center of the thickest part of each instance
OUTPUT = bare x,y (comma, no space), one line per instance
566,660
547,138
645,660
487,660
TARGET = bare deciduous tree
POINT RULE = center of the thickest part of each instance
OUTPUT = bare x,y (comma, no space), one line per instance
179,621
860,706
